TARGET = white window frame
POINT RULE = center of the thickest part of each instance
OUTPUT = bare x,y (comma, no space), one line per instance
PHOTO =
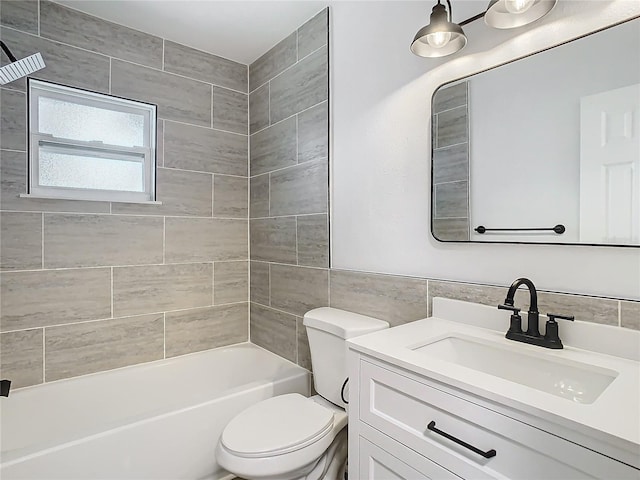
146,154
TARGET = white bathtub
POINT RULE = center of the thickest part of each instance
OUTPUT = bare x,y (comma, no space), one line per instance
158,420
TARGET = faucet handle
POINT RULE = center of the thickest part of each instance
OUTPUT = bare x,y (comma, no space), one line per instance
551,332
515,310
553,316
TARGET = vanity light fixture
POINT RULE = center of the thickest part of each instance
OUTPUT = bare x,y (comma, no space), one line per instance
516,13
442,37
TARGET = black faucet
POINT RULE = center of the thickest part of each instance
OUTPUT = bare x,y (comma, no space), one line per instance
550,339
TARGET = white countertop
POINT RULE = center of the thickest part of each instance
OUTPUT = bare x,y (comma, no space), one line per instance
614,417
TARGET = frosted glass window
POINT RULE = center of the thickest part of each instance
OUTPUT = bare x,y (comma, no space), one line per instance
90,146
84,170
64,119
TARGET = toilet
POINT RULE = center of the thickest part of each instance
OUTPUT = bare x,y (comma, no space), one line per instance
290,436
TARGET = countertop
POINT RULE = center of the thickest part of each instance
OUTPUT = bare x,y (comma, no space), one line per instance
614,417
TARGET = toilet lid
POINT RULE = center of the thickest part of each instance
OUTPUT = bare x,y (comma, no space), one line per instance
276,426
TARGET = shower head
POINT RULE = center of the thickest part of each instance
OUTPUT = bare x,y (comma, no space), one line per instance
19,68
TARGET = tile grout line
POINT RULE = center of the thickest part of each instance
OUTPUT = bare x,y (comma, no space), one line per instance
180,122
154,216
465,105
112,316
620,313
42,253
298,139
319,159
278,310
288,68
451,181
296,232
164,335
213,282
248,210
213,183
164,127
139,265
164,240
107,319
286,118
329,286
269,284
447,147
44,351
211,106
156,69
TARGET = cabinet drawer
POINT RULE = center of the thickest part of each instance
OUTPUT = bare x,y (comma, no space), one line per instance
382,458
402,408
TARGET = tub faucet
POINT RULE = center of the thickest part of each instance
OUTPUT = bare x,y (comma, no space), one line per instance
5,386
550,339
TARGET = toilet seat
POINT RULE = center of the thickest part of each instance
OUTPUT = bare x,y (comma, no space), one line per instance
277,426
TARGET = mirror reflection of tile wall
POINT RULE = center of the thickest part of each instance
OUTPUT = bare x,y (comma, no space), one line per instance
450,121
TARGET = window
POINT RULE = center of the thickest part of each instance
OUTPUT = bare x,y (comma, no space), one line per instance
90,146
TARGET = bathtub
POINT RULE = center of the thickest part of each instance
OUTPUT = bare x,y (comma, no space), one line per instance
158,420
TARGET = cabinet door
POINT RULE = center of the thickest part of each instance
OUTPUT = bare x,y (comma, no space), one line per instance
384,459
470,440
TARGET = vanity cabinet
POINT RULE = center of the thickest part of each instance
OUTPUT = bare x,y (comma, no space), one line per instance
390,412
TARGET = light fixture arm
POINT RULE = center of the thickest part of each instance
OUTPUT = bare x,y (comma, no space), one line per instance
472,19
449,11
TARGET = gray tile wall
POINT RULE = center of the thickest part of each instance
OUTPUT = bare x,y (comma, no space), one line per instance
289,185
450,121
91,286
400,299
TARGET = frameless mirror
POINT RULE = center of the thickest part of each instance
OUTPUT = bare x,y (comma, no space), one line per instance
545,149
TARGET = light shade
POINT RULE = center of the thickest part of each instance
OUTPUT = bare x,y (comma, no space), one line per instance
502,14
440,38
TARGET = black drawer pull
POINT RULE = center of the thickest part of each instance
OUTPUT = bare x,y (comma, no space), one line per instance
487,454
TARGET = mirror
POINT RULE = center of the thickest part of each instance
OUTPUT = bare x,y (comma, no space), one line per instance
545,149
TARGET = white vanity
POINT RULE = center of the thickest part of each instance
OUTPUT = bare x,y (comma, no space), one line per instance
450,397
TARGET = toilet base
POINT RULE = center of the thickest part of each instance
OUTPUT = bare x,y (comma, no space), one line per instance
330,466
335,456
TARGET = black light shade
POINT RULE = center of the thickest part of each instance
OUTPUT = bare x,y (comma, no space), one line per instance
440,38
516,13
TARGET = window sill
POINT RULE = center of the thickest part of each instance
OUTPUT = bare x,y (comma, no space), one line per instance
42,197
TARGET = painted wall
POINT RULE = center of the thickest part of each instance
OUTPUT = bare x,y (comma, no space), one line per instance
91,286
380,148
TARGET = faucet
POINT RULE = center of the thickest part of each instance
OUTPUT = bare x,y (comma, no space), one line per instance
5,386
550,339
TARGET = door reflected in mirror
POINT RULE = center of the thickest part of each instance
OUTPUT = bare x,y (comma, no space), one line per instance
545,149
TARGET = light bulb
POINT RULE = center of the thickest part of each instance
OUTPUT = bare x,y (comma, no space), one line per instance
518,6
438,39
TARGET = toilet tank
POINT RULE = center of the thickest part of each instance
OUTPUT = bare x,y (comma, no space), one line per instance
327,329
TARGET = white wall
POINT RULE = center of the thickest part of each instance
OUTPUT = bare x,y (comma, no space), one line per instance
381,150
525,132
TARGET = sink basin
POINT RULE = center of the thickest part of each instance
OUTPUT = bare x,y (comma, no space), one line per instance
574,381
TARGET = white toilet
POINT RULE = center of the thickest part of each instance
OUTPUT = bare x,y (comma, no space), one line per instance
294,437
